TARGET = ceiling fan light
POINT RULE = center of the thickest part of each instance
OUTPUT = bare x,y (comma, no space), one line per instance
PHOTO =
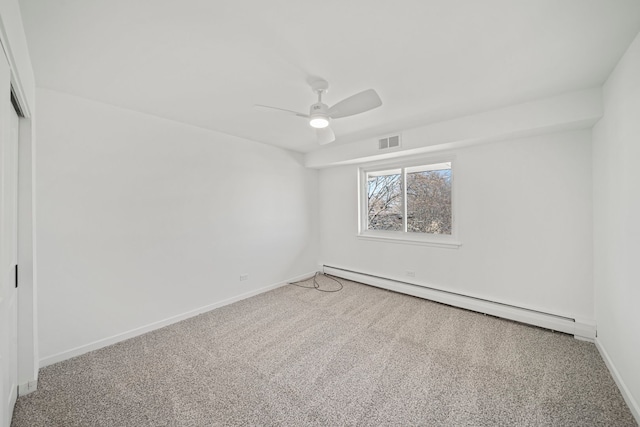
319,122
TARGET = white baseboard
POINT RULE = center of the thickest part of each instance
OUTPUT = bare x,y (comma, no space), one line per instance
28,387
585,330
13,396
77,351
580,329
626,394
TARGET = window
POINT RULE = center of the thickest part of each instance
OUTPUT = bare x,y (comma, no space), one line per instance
408,202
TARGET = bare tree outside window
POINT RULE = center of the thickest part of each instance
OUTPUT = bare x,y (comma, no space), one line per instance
421,193
429,202
384,201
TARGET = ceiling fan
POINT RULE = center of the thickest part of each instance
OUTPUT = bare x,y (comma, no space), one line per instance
320,115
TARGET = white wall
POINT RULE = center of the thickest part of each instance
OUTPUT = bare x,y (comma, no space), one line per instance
524,219
568,111
616,200
141,219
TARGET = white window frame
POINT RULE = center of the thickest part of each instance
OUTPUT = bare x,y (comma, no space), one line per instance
436,240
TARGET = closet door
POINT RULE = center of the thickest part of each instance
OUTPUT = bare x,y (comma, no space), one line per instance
8,247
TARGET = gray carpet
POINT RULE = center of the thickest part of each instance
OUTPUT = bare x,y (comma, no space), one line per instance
362,356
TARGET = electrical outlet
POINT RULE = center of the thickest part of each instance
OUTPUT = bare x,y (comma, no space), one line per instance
244,277
411,273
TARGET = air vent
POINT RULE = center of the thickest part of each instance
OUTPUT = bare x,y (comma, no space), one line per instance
389,142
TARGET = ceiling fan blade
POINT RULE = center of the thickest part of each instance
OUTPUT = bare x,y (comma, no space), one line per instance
325,135
356,104
295,113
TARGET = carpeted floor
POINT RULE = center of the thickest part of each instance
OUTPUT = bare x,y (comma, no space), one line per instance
362,356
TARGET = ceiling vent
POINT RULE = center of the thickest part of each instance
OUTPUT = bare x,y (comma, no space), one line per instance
389,142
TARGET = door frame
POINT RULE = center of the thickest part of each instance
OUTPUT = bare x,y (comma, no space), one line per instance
28,360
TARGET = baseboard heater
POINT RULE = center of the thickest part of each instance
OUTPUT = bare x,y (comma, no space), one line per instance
581,330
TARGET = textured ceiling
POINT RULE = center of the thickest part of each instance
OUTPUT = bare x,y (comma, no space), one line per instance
207,62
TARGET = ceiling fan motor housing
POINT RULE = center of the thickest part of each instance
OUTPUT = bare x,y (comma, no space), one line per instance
318,108
318,116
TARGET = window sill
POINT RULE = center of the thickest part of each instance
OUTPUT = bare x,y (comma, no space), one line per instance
403,238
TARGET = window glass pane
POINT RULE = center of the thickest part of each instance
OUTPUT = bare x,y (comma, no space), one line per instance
384,200
429,201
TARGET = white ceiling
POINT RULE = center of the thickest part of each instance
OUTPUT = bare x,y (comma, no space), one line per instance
206,62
